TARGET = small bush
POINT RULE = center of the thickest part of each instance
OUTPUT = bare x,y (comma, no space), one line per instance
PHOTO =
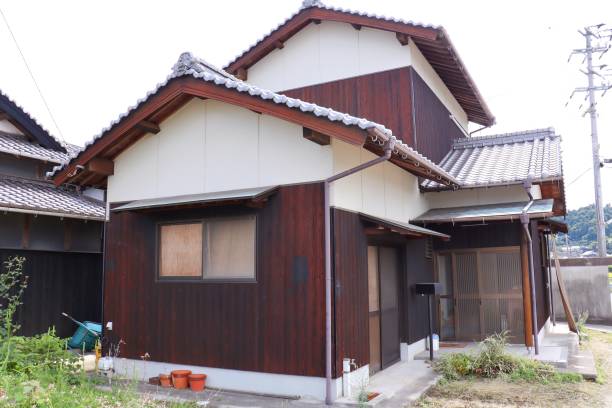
455,365
492,361
581,326
44,352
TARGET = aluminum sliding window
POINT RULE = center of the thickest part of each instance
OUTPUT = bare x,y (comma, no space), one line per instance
212,249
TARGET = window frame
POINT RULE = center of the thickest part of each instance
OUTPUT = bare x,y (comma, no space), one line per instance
203,279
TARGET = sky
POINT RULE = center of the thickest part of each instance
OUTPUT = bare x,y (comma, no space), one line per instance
92,60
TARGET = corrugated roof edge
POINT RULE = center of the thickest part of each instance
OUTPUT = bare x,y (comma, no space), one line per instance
505,138
185,67
60,142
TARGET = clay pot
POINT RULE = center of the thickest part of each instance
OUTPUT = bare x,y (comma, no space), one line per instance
180,378
197,382
165,380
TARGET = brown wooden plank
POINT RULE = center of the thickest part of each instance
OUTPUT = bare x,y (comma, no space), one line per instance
148,126
101,166
526,291
316,137
275,325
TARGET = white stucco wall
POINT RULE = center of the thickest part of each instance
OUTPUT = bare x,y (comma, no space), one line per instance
213,146
478,196
6,126
331,51
327,52
384,190
431,78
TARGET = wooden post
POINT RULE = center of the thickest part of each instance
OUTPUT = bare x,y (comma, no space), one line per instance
526,290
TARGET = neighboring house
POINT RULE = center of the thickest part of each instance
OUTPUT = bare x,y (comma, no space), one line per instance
216,254
57,229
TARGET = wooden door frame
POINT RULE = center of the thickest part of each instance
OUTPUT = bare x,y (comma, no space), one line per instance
399,250
478,252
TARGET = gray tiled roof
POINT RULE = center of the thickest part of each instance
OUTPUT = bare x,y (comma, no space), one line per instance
509,158
19,145
43,197
188,65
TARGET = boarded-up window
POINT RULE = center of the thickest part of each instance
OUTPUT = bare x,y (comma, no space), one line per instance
180,252
218,248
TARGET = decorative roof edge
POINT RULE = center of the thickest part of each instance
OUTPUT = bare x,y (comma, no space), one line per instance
34,121
307,4
188,66
505,138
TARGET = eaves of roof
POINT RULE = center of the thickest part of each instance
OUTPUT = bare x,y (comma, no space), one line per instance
433,42
28,124
190,67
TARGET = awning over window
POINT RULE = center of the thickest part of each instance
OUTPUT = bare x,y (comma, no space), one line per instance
403,227
249,194
489,212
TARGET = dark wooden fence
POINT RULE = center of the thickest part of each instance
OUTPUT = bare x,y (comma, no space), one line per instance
58,282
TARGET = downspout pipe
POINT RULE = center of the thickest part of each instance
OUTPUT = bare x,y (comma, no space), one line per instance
525,221
388,151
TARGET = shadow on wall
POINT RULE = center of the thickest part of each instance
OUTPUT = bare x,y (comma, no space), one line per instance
586,282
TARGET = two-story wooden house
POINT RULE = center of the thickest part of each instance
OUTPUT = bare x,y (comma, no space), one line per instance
270,219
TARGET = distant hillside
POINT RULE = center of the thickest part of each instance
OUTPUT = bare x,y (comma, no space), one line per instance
581,224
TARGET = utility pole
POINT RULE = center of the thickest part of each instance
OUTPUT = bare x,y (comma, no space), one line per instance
602,38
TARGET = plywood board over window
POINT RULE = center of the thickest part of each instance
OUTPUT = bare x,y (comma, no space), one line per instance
210,249
180,250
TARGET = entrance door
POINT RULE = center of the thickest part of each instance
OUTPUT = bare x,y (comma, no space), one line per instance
383,288
467,296
482,293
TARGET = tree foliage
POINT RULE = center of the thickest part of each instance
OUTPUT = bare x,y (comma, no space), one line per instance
582,231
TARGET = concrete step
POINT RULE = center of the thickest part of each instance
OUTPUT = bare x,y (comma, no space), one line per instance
583,363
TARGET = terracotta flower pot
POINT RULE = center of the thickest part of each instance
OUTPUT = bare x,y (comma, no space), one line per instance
197,382
180,378
165,380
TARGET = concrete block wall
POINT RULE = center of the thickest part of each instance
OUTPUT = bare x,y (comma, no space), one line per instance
586,283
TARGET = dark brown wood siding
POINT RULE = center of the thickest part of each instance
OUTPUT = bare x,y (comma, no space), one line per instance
540,278
398,99
383,97
434,130
275,325
418,269
481,236
351,289
58,282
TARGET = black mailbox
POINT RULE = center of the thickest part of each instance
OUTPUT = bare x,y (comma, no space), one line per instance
431,288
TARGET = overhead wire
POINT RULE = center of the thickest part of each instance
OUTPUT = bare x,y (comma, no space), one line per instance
8,26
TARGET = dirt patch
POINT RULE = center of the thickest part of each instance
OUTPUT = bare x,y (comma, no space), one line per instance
480,393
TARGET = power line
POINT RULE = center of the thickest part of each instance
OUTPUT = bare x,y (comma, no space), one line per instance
8,26
577,178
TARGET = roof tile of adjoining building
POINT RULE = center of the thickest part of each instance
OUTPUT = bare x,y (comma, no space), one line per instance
509,158
43,197
19,145
188,65
38,131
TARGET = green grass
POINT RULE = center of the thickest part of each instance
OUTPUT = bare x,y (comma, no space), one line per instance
492,361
